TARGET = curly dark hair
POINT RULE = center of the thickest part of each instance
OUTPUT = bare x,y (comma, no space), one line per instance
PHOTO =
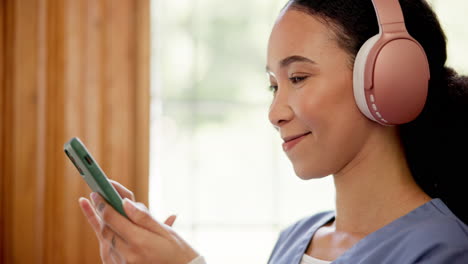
436,143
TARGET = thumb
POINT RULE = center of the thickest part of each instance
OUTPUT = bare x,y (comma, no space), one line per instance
142,218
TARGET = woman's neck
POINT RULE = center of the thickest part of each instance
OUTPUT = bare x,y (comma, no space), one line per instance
376,187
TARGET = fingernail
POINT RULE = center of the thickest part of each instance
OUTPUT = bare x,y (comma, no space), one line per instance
129,206
94,198
101,206
142,207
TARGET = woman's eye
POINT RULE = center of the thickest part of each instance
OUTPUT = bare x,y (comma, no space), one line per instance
273,88
297,79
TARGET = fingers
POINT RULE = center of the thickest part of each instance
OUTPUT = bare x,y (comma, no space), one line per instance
90,215
122,190
170,220
120,250
124,228
136,239
143,218
108,253
141,206
117,258
108,240
114,241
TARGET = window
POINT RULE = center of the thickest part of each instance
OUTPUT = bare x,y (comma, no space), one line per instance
216,161
452,17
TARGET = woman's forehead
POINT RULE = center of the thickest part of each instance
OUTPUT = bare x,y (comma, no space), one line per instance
298,33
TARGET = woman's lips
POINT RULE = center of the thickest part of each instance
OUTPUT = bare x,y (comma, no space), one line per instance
289,144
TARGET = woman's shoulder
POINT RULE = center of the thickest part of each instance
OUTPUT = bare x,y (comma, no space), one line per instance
428,234
429,226
441,238
440,227
444,220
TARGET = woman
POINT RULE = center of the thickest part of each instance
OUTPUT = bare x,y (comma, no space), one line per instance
398,188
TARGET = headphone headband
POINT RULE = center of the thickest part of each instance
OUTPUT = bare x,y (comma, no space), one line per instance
388,12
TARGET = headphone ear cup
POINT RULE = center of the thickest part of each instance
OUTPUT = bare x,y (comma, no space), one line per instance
358,76
400,81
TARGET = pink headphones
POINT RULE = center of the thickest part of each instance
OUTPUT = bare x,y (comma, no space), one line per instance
391,71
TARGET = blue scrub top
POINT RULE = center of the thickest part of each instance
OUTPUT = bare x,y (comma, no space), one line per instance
430,234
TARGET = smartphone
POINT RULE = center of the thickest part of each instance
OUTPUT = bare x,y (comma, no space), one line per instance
92,173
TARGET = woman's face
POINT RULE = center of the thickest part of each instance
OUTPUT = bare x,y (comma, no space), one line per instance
313,106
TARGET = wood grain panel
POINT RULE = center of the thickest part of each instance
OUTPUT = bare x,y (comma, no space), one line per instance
68,68
143,98
2,184
118,99
75,98
6,144
24,153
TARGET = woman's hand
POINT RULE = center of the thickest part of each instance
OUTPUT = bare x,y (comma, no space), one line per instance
138,239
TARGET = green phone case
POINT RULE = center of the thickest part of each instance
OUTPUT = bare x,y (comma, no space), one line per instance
92,173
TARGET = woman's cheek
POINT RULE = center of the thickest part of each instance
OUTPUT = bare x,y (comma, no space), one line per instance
311,107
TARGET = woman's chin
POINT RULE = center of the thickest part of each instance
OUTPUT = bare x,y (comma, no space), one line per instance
309,173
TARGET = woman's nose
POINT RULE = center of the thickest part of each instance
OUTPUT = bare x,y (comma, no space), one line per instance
280,111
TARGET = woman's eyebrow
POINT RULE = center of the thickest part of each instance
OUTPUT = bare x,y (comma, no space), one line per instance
295,58
291,59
